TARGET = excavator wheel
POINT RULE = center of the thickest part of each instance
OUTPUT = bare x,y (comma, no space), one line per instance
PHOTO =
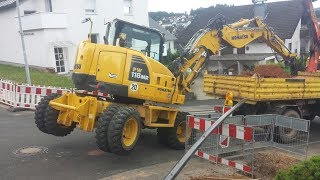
103,125
51,124
177,136
124,130
41,111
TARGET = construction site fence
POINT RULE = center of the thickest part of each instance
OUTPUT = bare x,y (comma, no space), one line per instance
237,141
28,96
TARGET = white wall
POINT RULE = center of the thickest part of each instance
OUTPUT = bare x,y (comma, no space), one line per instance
10,44
170,44
295,40
257,47
106,10
40,42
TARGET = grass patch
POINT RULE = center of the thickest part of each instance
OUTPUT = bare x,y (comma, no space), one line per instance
38,77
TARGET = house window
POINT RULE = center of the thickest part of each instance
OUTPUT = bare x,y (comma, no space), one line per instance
90,6
227,50
290,46
94,38
127,6
241,50
60,57
48,5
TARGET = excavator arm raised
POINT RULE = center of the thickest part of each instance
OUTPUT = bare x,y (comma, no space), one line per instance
313,25
207,42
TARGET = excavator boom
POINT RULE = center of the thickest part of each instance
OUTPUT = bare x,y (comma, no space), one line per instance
313,25
208,42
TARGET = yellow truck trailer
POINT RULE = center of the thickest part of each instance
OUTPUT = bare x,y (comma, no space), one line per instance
297,97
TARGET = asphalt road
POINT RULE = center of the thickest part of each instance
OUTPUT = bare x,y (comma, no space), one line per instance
76,156
72,157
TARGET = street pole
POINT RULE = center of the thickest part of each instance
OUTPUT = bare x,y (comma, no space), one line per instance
26,65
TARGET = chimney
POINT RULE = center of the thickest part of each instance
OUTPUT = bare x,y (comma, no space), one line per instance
259,8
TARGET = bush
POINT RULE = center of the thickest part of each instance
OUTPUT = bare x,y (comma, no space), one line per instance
308,169
170,57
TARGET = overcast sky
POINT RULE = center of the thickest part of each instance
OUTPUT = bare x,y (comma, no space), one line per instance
187,5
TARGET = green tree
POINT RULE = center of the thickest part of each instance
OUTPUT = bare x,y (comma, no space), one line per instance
170,57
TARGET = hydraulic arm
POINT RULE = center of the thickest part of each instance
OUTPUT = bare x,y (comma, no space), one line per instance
210,41
313,25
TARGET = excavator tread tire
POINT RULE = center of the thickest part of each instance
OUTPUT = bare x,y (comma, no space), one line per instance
169,135
41,112
116,128
103,125
53,127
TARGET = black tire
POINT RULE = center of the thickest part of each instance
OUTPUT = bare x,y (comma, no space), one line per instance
168,136
288,135
41,112
116,128
103,125
162,136
52,125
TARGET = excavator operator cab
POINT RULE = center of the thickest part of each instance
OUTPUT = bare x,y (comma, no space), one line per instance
140,38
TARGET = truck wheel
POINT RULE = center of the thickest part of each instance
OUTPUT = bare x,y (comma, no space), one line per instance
103,125
41,111
52,125
124,130
176,136
288,135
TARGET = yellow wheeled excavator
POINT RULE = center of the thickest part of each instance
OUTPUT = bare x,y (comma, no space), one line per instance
145,93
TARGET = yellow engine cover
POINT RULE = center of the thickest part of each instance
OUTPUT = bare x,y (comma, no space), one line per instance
125,72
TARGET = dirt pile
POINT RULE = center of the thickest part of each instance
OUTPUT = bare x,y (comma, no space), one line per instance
268,71
267,164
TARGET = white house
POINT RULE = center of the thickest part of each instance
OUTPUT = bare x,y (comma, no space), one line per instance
53,28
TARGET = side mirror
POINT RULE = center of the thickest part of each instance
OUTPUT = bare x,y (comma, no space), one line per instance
86,20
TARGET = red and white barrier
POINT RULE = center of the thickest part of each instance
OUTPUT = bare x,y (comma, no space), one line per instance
227,162
7,92
230,130
28,96
224,139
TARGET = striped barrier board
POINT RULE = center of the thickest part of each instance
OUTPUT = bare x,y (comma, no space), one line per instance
226,141
227,162
43,91
230,130
7,92
28,96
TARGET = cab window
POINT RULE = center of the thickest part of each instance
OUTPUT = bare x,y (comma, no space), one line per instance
140,39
